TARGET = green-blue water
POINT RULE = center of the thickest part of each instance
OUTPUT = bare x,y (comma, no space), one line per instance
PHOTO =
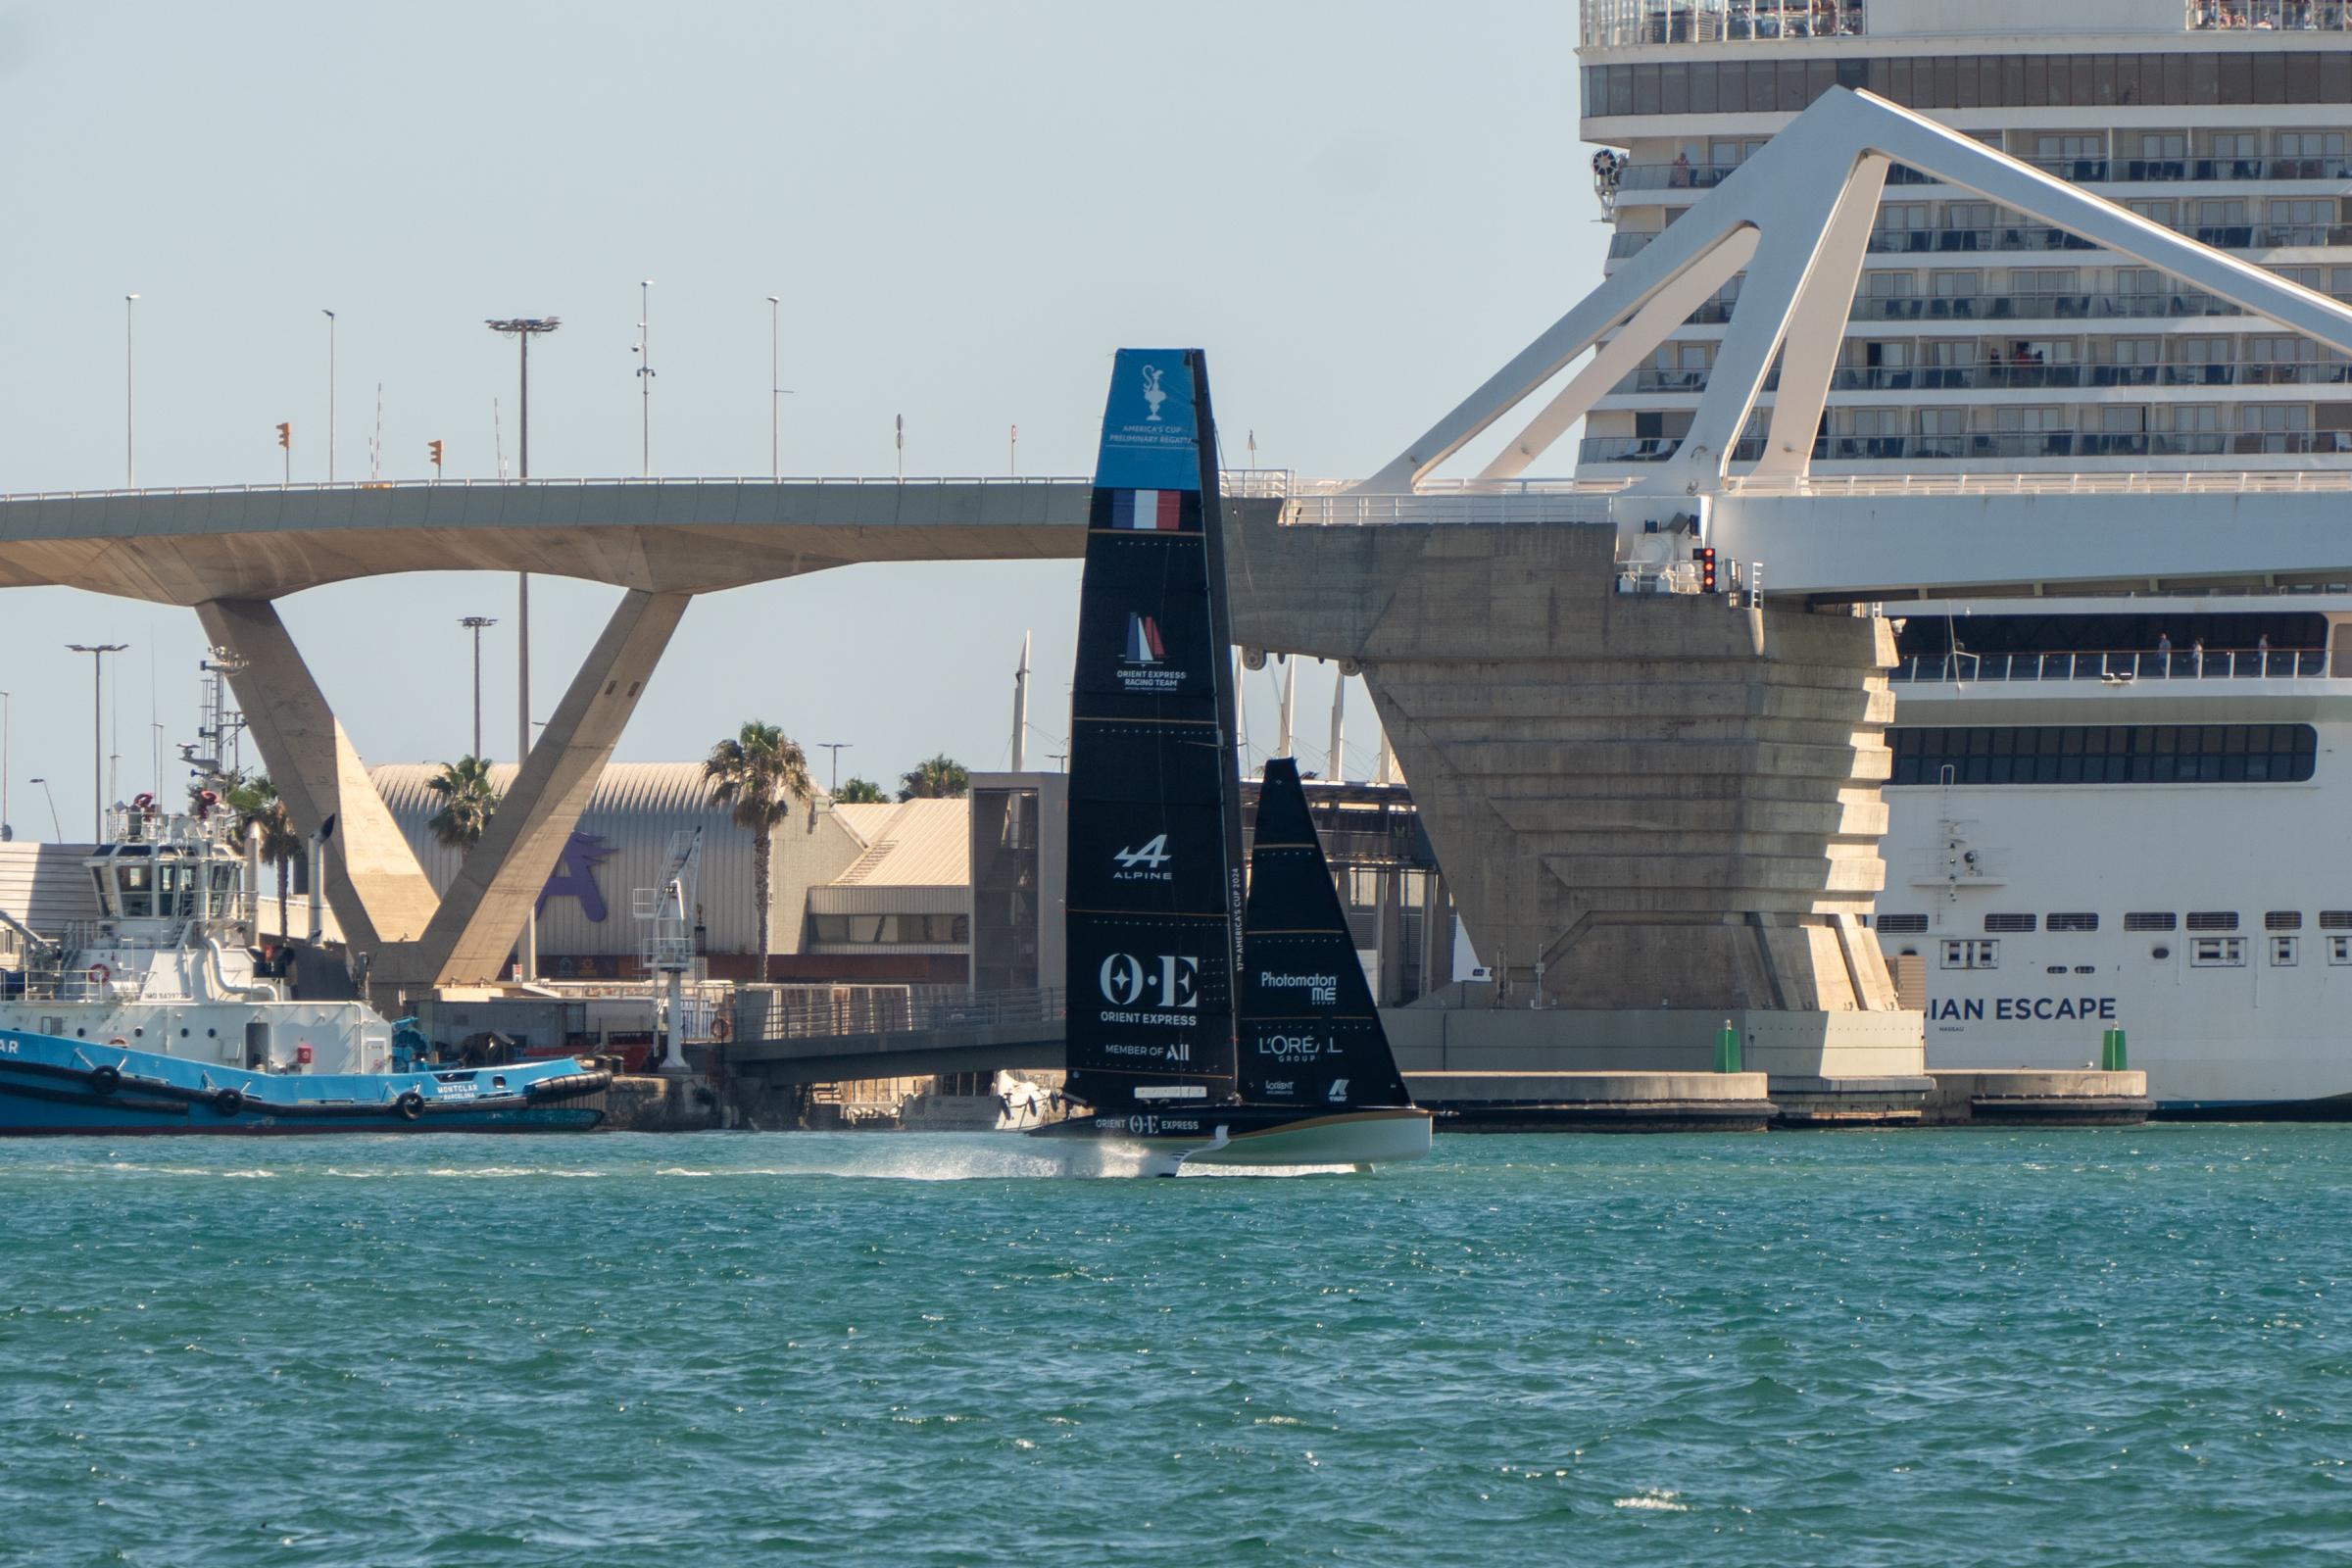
1905,1348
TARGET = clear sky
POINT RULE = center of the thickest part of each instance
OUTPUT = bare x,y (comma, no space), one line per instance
1358,209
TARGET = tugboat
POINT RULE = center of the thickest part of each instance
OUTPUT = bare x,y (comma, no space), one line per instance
156,1017
1171,1058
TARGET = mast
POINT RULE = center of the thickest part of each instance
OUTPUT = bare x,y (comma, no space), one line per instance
1155,815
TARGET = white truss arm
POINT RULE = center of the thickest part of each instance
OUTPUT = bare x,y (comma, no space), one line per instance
1804,207
1667,310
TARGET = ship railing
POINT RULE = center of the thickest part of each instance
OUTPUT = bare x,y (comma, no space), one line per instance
1618,23
2268,16
2120,666
800,1014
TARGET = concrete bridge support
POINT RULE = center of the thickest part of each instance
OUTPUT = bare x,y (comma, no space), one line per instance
1641,801
381,897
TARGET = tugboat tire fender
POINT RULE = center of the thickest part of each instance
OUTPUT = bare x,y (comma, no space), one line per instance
105,1080
228,1101
571,1086
409,1104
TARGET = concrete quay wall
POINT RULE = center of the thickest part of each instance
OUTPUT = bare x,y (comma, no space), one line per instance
1799,1048
1639,801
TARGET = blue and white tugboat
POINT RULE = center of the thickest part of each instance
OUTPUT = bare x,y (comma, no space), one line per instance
156,1018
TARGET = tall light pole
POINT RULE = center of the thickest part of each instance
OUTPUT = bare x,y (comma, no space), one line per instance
522,329
131,393
776,390
7,714
645,373
474,624
331,394
836,748
98,652
57,832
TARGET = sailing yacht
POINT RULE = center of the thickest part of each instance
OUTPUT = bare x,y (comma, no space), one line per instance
1200,1031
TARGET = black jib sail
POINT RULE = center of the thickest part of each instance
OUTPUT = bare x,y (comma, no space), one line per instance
1309,1033
1154,867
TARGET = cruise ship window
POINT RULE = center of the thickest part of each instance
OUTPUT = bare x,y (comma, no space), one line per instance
2311,144
2213,920
1966,954
2218,953
2071,922
2168,144
2147,920
2339,949
2282,953
2283,920
1904,924
2010,923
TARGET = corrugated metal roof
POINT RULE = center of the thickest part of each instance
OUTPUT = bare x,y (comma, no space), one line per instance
921,844
45,885
634,809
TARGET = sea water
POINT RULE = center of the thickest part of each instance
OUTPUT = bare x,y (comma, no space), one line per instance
1961,1348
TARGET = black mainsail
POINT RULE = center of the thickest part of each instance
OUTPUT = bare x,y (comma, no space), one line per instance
1310,1035
1154,879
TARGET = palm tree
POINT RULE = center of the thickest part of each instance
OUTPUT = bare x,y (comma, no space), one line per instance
860,792
757,776
469,800
256,805
936,778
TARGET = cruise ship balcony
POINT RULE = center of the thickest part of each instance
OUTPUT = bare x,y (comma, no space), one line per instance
1988,377
2041,240
2007,445
1665,181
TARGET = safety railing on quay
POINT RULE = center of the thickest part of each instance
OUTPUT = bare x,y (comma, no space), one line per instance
799,1014
2120,665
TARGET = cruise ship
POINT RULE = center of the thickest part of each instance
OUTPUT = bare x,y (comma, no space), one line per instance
2116,812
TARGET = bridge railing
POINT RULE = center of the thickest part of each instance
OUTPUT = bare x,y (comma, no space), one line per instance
878,1010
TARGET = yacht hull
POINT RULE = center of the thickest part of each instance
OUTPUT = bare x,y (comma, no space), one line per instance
1242,1137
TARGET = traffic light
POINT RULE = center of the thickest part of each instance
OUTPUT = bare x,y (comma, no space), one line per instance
434,446
285,435
1707,569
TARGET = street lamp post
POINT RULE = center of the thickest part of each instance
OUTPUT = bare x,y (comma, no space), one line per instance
7,714
130,405
836,748
57,832
522,329
97,653
474,624
645,373
331,394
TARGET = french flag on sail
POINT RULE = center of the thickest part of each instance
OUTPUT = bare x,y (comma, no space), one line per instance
1150,510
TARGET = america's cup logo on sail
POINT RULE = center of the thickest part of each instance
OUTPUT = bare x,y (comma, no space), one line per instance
1153,396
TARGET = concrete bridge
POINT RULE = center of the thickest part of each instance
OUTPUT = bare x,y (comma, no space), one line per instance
984,1032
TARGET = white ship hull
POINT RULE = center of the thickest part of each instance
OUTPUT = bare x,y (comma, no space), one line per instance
2245,1003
